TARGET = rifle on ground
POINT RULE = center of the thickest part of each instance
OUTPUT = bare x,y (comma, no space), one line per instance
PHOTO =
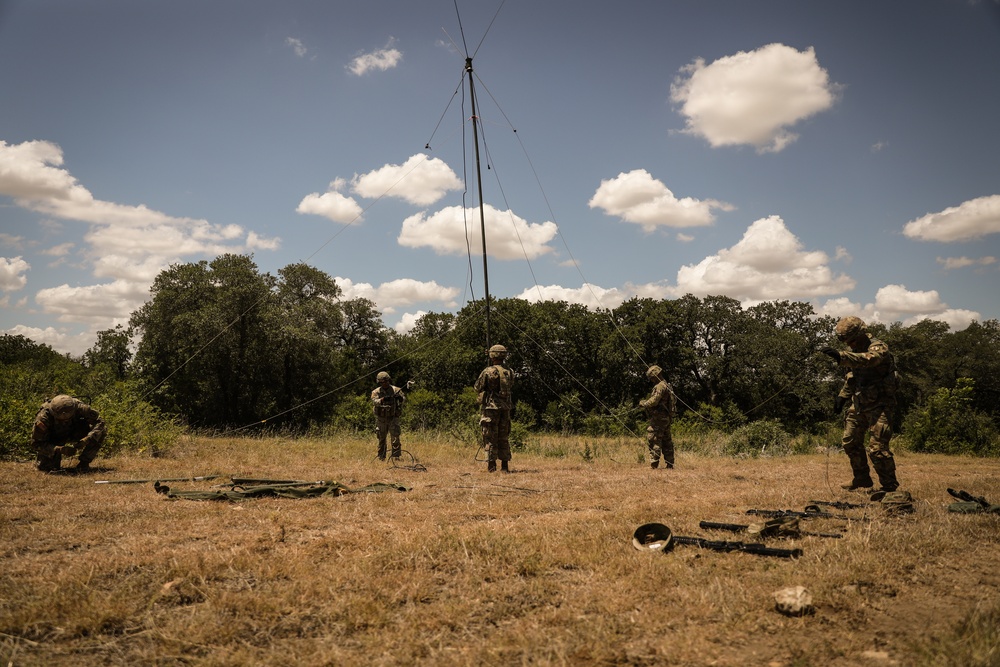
969,498
739,528
971,503
811,512
838,504
746,547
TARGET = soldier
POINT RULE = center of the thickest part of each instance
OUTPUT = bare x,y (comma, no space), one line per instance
388,406
62,426
870,389
495,389
660,408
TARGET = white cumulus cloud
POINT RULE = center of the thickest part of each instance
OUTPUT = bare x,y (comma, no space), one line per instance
639,198
12,272
75,344
452,230
420,181
767,263
968,221
94,304
896,303
331,204
753,97
401,292
124,242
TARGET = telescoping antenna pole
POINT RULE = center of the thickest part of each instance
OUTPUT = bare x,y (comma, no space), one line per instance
479,182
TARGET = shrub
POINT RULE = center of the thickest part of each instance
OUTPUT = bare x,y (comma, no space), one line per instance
947,423
760,438
708,418
354,414
134,425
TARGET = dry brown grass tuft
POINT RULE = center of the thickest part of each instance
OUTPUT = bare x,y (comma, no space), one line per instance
468,568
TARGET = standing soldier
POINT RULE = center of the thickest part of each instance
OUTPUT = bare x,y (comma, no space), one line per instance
62,423
495,388
388,406
870,389
660,408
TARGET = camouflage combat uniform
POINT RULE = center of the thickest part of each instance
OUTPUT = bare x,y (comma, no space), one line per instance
495,393
870,391
388,406
62,426
660,408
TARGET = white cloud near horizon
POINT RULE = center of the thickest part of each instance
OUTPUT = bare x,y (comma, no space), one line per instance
895,303
968,221
74,344
639,198
401,292
379,60
97,305
452,230
408,321
123,242
752,98
767,263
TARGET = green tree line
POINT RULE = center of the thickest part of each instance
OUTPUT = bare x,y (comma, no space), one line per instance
221,345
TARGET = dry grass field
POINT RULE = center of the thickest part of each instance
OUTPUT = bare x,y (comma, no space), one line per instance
468,568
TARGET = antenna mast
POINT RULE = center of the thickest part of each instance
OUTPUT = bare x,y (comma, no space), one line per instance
479,181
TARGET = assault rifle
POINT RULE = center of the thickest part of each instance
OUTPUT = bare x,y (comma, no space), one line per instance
739,528
811,512
969,498
838,504
746,547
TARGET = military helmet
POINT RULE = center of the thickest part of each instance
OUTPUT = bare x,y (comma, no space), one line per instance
850,327
653,372
63,407
652,537
498,351
383,377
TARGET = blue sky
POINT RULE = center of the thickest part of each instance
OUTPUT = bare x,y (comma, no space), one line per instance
844,154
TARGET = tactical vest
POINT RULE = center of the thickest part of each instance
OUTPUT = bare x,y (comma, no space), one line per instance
497,392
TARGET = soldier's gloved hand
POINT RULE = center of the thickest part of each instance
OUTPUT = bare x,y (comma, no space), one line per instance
838,404
65,450
830,352
410,384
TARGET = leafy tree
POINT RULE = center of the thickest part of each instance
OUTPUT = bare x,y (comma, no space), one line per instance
974,352
112,350
947,423
205,341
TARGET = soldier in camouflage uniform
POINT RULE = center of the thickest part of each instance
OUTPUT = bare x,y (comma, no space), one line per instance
64,426
870,390
495,392
388,406
660,408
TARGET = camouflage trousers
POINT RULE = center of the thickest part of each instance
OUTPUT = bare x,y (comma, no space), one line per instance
660,443
857,425
50,458
496,433
387,429
49,454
